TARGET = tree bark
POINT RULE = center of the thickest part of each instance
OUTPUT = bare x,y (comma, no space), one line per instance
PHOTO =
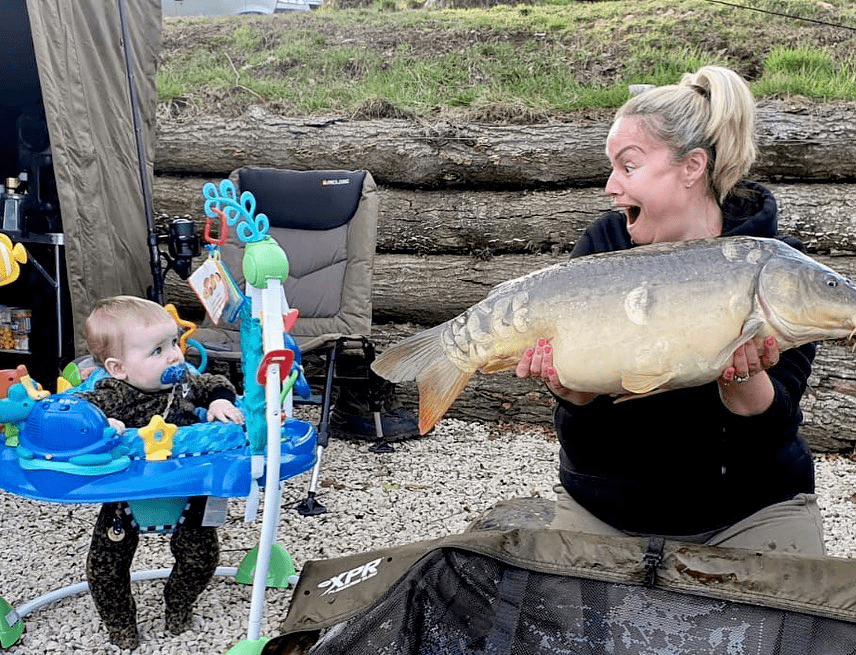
465,207
829,404
484,223
430,290
797,142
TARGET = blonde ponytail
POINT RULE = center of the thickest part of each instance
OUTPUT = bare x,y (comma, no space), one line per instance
712,109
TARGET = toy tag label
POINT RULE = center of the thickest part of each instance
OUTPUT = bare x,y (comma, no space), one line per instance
216,510
213,285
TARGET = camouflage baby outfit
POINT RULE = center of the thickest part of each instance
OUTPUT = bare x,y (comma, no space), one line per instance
135,408
195,547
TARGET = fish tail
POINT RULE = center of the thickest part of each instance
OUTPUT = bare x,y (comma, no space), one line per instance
405,360
438,388
423,358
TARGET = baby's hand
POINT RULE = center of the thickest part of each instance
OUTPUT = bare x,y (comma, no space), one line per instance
222,410
117,424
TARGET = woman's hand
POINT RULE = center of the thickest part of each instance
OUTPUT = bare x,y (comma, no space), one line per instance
745,387
537,362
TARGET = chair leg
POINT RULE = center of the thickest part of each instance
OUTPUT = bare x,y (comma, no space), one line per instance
375,403
310,505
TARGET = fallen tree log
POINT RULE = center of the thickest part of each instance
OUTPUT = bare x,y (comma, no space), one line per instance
483,223
829,404
431,289
440,252
796,141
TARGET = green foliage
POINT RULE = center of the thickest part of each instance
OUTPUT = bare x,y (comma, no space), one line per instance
799,61
809,72
661,66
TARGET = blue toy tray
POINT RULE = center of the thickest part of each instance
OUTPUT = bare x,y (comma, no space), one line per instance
209,459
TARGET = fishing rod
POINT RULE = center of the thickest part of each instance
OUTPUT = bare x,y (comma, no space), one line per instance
156,290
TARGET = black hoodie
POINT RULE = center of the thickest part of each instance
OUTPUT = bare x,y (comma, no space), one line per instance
678,462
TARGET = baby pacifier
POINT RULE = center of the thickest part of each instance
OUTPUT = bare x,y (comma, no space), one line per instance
173,374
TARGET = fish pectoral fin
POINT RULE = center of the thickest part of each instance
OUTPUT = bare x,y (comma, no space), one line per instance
751,327
635,396
498,365
638,383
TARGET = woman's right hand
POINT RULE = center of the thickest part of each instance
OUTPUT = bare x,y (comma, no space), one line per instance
537,362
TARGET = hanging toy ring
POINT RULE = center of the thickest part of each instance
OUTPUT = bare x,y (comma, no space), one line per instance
223,231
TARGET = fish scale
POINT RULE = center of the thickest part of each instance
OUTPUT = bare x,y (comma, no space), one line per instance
648,319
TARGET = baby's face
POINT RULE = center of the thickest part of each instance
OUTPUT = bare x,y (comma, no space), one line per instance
150,350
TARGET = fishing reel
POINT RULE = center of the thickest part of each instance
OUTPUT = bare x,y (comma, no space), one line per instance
182,246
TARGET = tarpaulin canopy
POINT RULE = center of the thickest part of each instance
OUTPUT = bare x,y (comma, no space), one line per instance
84,79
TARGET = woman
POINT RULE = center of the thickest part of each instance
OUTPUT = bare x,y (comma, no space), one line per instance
723,463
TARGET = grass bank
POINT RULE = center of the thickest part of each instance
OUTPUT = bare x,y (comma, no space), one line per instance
535,60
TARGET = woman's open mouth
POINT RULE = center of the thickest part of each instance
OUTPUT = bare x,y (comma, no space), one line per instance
632,214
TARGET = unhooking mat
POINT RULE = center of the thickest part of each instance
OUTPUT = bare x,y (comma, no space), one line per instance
537,591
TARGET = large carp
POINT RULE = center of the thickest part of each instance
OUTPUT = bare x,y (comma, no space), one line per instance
634,321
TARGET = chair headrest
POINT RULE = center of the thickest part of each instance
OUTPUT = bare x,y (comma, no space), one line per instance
303,200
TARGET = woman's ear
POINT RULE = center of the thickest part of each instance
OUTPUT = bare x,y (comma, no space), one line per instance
115,368
695,166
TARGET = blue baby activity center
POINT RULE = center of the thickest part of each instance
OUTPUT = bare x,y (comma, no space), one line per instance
60,448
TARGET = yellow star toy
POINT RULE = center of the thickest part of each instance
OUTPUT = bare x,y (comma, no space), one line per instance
157,439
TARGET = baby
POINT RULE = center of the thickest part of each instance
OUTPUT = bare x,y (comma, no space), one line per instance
136,341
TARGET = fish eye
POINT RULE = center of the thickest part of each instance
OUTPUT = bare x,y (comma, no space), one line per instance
831,282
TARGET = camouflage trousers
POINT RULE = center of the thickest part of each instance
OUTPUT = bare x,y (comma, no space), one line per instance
115,538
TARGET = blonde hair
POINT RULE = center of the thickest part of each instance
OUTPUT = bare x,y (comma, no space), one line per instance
109,324
712,109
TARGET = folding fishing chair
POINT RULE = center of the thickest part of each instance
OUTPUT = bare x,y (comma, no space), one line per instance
326,222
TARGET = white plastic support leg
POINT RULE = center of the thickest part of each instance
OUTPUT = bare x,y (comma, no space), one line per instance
273,340
83,587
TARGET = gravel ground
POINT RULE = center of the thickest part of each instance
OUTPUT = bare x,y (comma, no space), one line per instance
427,488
